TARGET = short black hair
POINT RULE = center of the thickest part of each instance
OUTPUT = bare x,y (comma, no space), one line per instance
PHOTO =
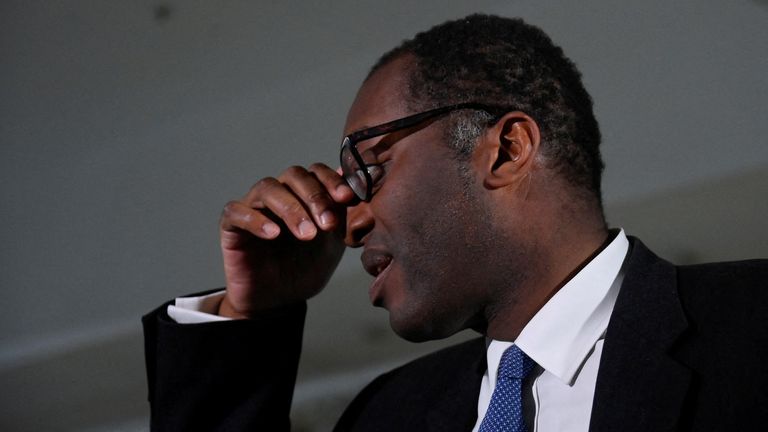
505,61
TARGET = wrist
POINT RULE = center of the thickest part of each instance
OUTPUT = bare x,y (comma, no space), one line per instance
227,309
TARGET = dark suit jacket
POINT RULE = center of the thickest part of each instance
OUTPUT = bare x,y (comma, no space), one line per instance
685,350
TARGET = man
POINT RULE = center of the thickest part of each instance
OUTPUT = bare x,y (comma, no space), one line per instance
470,174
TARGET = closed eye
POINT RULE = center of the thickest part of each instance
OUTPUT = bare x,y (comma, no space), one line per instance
376,171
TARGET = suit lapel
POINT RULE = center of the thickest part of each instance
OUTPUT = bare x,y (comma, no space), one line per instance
456,408
639,386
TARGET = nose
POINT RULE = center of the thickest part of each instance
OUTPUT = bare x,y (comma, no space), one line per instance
360,222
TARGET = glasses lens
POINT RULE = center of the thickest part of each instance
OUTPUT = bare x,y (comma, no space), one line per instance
353,173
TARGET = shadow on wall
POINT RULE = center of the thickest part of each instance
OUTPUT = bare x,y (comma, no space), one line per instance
95,387
721,220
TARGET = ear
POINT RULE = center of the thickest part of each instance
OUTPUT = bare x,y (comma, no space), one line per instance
510,148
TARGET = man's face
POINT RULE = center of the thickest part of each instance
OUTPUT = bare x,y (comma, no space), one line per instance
426,231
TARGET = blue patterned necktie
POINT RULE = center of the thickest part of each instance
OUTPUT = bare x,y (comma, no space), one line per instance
505,411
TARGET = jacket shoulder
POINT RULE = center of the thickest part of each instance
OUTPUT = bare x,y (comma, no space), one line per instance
724,288
445,380
753,271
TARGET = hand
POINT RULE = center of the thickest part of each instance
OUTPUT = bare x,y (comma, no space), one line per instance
283,240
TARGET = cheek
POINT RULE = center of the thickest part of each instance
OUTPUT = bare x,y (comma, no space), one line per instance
436,236
420,191
425,209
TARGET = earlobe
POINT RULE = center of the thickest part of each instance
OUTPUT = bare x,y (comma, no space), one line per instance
513,144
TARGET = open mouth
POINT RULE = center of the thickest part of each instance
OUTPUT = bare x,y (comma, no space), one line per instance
377,264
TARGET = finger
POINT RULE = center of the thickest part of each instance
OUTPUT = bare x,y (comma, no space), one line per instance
314,196
277,197
238,216
334,182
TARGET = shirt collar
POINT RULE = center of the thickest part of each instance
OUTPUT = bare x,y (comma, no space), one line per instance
561,335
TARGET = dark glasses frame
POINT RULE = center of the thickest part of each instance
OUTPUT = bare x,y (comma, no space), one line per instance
349,143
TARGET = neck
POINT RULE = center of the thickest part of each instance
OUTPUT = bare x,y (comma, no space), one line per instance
555,256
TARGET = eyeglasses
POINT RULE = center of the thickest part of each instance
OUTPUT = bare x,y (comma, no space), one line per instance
358,174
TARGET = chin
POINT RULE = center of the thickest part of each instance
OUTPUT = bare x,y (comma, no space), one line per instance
415,328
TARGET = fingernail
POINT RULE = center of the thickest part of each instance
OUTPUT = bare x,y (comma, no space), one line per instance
326,218
270,229
307,228
342,189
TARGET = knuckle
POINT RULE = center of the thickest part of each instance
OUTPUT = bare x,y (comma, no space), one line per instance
261,189
265,183
318,197
229,209
317,167
294,171
293,207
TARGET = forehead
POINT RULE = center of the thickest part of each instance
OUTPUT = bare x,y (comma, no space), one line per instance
382,97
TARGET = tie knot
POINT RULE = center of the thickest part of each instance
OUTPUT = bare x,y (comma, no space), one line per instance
514,363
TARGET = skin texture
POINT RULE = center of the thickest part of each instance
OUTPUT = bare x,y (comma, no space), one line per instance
454,244
282,241
417,221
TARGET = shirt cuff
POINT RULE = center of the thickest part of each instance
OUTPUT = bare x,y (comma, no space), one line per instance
194,310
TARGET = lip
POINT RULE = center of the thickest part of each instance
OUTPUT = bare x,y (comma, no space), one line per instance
377,263
375,290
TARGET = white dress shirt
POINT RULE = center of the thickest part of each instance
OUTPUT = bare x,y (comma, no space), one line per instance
193,310
565,338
